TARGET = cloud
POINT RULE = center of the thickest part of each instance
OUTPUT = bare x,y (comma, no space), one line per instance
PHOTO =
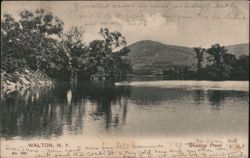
153,27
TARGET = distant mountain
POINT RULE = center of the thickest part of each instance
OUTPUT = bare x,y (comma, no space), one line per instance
238,49
151,57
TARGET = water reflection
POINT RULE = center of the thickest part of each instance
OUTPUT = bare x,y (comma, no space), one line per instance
199,97
45,111
79,108
216,98
69,96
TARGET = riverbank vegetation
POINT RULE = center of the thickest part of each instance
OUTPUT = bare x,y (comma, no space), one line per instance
37,42
214,63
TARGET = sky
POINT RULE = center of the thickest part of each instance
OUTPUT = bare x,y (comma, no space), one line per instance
191,24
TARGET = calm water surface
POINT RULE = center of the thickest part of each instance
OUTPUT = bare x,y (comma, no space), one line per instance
129,108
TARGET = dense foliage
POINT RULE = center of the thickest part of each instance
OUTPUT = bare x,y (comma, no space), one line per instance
221,65
37,41
214,63
100,60
29,43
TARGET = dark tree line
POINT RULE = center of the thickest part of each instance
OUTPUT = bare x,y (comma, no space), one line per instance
216,63
37,41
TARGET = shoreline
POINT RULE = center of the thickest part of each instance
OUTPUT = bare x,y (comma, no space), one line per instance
24,79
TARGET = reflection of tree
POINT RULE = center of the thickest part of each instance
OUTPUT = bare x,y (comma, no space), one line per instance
30,114
216,97
45,112
110,101
198,96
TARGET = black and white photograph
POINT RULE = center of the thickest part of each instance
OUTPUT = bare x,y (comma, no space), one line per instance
124,79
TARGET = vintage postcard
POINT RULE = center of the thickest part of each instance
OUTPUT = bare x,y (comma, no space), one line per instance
124,79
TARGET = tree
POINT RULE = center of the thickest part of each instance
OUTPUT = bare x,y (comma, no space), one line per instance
217,69
117,43
103,59
199,56
223,65
241,68
216,53
229,61
38,28
34,42
113,40
73,41
11,56
42,22
91,62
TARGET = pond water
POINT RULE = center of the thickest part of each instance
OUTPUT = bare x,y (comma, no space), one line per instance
129,108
